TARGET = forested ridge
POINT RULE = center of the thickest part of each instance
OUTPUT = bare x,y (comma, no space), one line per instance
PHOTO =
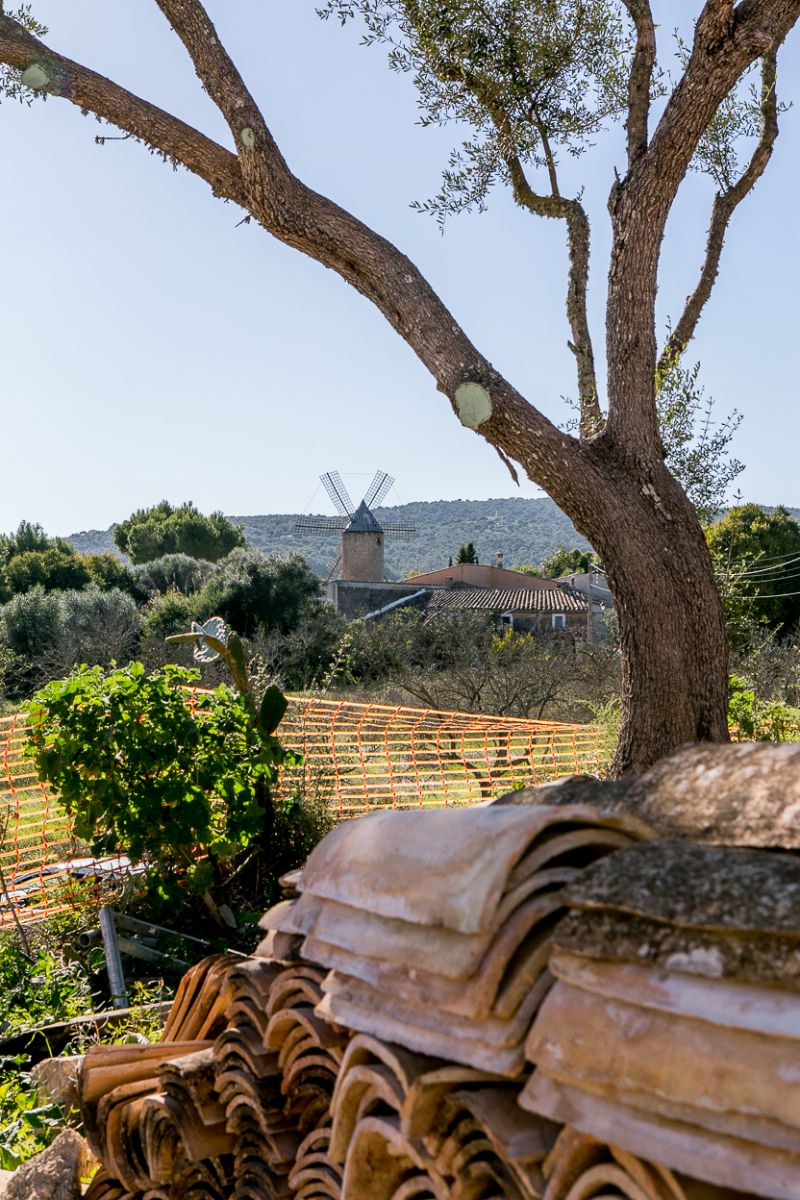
526,530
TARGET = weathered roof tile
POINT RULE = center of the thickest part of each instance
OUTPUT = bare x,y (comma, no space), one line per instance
459,599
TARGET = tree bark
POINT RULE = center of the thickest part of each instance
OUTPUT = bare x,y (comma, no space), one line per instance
672,632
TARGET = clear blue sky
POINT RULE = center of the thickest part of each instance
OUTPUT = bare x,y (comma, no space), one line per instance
153,349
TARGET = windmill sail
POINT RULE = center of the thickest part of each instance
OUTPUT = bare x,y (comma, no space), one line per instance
401,530
333,569
321,525
378,489
332,482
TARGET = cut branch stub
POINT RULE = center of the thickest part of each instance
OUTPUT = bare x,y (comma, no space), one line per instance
473,405
44,77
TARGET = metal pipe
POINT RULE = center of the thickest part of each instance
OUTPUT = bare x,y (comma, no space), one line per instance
395,604
116,976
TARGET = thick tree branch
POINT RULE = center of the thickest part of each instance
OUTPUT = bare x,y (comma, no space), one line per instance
726,43
714,21
725,204
644,59
578,239
164,133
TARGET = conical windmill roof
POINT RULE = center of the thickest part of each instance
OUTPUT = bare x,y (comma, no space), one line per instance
363,521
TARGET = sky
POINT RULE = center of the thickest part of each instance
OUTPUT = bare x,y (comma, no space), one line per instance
152,347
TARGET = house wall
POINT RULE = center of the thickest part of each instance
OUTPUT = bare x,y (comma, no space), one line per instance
542,624
600,588
480,575
356,599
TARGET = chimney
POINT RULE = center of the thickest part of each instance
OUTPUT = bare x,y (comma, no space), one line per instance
500,557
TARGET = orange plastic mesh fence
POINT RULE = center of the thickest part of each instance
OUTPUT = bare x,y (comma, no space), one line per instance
356,758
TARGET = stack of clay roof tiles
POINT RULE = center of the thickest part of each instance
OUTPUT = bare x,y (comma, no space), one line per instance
526,1001
151,1113
448,956
673,1027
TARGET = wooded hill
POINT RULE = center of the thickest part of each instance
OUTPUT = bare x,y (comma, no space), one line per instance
526,530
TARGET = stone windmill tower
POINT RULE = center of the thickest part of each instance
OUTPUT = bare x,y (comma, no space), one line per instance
360,558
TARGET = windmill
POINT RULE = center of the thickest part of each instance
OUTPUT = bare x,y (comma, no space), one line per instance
361,552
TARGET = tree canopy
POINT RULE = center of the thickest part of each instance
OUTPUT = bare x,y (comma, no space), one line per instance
29,558
567,562
54,569
756,556
255,593
154,532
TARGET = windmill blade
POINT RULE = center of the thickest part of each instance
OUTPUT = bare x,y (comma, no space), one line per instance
333,569
378,489
400,530
321,526
332,482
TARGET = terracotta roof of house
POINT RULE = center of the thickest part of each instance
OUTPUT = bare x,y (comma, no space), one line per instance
553,600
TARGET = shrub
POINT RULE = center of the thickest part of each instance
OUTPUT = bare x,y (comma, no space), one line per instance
303,657
54,569
182,786
174,572
111,574
28,623
255,592
47,633
168,614
96,628
755,719
27,1126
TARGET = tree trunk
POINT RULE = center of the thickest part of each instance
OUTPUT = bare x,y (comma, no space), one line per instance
672,633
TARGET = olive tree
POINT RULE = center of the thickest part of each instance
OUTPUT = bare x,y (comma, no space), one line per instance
533,80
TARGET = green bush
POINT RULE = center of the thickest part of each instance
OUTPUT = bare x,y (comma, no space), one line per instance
41,988
27,1126
96,627
181,786
567,562
174,572
168,614
111,574
754,719
53,569
259,593
28,623
47,633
